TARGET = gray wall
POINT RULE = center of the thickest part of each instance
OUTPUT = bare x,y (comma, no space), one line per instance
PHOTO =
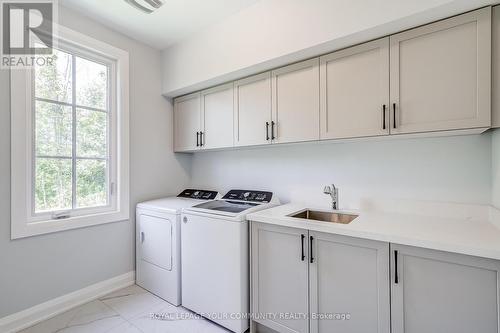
37,269
369,173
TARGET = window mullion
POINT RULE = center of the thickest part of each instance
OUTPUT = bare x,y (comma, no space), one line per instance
73,135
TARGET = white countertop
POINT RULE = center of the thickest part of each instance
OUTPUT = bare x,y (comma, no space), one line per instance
472,237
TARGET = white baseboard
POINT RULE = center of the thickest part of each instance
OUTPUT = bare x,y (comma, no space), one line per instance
29,317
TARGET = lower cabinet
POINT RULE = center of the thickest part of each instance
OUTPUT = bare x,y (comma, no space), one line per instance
279,277
348,284
436,292
305,281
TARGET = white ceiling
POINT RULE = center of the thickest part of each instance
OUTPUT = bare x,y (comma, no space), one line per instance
175,20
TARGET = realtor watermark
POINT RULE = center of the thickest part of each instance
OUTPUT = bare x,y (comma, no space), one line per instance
172,316
27,32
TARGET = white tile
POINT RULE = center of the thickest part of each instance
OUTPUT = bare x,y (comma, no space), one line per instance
171,319
132,301
93,317
128,310
125,328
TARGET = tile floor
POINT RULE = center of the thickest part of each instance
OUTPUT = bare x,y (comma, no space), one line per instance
127,311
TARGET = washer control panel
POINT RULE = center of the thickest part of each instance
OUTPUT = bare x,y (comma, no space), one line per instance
198,194
247,195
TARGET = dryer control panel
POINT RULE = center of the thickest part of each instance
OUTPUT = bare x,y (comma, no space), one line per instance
247,195
198,194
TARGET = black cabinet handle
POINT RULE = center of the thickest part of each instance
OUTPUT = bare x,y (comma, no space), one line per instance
396,278
302,238
383,117
311,238
197,139
267,131
201,139
272,130
394,114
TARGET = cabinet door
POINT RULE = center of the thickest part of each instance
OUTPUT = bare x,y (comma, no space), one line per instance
438,292
279,277
252,98
187,119
349,277
217,105
441,75
355,91
496,67
295,92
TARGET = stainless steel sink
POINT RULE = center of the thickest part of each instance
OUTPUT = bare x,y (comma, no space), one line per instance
331,217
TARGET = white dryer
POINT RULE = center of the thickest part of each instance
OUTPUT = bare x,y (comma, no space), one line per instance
158,242
215,256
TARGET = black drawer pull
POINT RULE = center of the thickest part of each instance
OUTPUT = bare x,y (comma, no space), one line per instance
267,131
197,139
302,238
311,245
272,130
383,117
394,113
396,278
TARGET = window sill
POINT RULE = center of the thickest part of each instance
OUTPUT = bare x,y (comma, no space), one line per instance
22,230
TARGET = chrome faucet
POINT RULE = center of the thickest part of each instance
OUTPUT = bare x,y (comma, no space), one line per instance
334,193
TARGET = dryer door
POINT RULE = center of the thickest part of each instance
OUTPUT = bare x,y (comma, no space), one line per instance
156,240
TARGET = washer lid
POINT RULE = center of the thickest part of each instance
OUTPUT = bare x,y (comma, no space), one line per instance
174,205
236,204
227,206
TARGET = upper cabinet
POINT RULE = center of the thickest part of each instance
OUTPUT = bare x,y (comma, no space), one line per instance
355,91
496,67
436,77
252,118
295,98
441,75
217,117
204,120
187,122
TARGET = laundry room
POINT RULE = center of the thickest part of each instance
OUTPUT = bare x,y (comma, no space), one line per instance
260,166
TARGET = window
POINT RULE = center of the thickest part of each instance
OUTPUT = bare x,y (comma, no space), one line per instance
71,100
70,138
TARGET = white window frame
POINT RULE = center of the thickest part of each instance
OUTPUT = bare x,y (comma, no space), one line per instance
24,221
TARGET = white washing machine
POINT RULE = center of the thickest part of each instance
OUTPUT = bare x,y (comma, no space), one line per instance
215,276
158,248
